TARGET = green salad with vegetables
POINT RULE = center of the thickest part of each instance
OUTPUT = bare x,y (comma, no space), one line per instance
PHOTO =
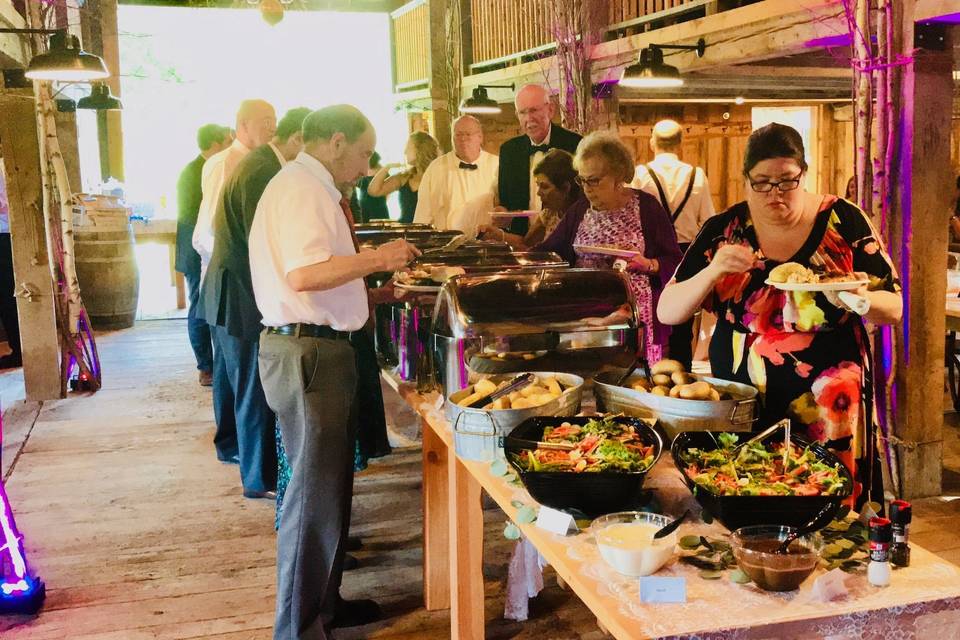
758,470
599,445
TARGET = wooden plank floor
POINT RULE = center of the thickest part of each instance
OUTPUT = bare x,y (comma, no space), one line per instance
140,533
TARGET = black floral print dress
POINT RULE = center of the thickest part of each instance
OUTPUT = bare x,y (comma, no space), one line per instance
809,360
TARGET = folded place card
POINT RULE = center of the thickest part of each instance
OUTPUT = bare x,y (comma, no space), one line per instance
555,521
663,589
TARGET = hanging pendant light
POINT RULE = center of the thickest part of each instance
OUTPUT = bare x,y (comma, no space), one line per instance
100,99
66,62
650,71
480,102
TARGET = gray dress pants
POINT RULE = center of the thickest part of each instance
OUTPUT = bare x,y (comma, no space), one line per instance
310,383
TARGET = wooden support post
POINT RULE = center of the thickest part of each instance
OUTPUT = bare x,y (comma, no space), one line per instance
34,284
922,186
466,554
101,37
436,29
436,521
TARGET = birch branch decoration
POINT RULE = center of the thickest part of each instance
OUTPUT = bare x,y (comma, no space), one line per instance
77,345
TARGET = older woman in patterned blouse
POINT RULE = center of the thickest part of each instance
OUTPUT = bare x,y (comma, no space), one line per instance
622,218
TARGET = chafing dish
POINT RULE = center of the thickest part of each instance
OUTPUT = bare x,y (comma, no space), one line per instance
410,320
575,320
389,224
422,238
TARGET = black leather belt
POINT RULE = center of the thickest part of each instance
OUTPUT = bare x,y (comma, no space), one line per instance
302,330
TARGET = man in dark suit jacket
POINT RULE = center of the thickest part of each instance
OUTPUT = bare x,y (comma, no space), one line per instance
229,306
211,138
516,189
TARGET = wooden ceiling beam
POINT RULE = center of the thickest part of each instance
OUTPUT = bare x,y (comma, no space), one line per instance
765,30
365,6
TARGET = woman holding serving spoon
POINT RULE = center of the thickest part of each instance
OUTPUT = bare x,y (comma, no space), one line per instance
806,351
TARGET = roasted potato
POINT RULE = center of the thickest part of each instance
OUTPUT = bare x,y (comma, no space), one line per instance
714,395
660,390
675,391
681,377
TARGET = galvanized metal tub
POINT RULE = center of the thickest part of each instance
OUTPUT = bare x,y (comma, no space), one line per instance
677,415
478,434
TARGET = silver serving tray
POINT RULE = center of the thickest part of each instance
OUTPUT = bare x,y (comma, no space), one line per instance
676,414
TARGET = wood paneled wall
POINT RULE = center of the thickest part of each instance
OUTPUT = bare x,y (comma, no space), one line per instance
503,27
717,144
411,44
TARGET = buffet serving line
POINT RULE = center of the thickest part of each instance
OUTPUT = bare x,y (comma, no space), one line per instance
508,357
922,598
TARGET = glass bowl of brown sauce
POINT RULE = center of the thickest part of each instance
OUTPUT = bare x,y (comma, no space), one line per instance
755,550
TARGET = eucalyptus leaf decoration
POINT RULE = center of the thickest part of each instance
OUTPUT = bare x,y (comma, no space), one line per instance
711,556
845,544
526,515
511,532
498,468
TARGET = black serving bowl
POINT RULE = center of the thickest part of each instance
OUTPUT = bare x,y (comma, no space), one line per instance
744,511
594,494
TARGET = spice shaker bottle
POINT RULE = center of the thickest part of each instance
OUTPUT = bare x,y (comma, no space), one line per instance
901,513
878,570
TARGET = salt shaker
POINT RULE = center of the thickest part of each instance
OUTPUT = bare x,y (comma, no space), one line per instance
881,533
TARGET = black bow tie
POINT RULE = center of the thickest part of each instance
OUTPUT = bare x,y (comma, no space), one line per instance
468,166
542,148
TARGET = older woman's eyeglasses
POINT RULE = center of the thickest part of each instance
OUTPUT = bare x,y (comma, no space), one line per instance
588,182
783,185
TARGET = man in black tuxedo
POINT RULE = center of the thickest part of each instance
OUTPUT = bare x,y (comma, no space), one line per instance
517,190
230,308
211,138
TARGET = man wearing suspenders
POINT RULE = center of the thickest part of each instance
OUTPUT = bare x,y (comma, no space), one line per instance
685,194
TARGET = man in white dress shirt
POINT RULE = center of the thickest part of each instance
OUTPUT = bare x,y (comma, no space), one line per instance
466,175
256,125
307,276
684,192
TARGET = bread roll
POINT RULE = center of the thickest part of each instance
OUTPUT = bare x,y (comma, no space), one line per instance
660,390
662,379
666,366
681,377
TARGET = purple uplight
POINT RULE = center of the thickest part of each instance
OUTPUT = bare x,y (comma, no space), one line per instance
838,40
19,592
950,18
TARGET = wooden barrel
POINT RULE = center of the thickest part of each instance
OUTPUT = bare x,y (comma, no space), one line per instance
108,275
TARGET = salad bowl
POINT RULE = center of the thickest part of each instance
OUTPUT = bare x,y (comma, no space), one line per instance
735,511
614,483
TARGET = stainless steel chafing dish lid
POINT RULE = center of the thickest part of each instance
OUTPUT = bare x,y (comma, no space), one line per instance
389,224
420,237
535,302
476,262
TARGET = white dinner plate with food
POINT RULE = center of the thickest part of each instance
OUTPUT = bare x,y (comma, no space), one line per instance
514,214
606,251
819,287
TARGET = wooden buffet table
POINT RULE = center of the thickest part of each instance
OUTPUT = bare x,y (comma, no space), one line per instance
924,598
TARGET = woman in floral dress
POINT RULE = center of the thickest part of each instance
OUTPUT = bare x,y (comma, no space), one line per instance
623,218
807,353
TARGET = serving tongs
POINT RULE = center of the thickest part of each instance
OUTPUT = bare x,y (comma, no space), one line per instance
516,384
641,359
522,443
783,424
455,243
